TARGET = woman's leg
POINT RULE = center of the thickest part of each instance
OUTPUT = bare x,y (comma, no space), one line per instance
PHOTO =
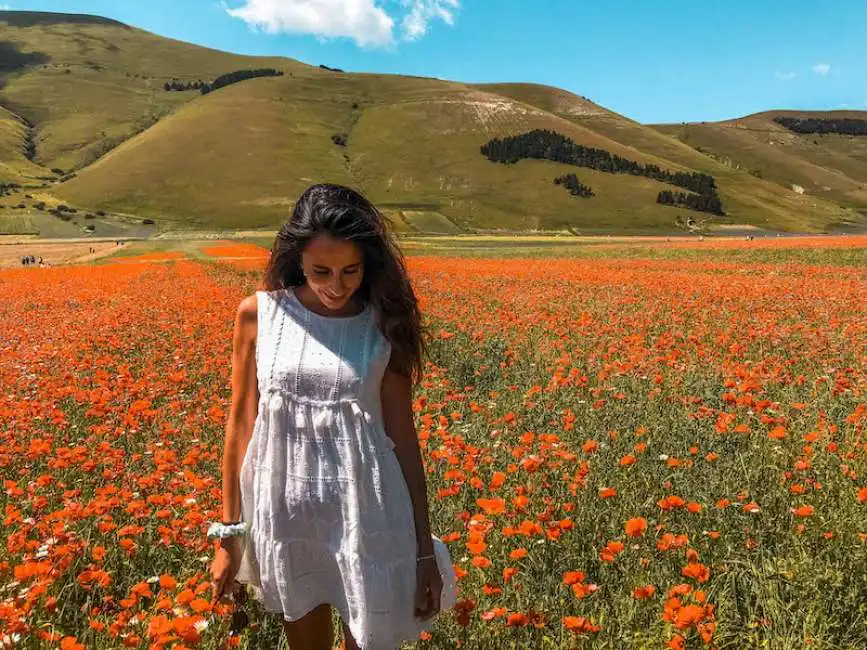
311,632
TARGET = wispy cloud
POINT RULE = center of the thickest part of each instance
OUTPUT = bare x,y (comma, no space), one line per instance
367,22
785,76
5,8
822,69
422,12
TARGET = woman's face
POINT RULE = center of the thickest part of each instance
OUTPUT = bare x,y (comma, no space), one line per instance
334,269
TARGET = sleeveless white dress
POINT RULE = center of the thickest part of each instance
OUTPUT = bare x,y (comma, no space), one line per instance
330,514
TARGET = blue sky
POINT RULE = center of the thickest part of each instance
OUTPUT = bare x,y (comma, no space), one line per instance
664,61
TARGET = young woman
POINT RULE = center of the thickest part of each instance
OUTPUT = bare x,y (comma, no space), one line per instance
324,499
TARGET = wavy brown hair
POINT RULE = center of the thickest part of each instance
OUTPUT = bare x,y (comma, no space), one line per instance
345,214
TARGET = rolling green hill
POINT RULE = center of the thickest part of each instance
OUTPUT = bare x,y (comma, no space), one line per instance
828,166
87,83
88,93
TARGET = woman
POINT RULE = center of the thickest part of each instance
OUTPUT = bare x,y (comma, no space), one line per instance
324,498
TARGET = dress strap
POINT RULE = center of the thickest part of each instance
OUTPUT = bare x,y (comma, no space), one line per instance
268,334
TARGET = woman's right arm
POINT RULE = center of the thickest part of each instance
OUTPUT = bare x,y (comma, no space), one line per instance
245,403
239,429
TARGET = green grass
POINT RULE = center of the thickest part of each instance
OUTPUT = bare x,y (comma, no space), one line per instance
421,221
239,157
412,143
99,82
508,248
17,224
747,199
830,167
14,166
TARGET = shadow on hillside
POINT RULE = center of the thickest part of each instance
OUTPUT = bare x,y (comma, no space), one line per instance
12,60
34,18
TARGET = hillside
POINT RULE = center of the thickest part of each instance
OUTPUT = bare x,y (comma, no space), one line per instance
87,83
744,195
88,94
829,166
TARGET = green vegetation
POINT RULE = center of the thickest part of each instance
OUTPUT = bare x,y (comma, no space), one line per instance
528,247
812,167
93,91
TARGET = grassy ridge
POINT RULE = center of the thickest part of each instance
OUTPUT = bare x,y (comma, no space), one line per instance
743,194
89,84
239,157
831,167
14,166
410,141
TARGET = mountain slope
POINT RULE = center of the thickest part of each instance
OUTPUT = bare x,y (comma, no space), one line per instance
829,166
87,83
92,89
412,144
745,196
14,165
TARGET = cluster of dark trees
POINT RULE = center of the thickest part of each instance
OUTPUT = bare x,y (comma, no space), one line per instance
63,212
842,126
325,67
549,145
223,80
701,202
575,187
7,189
543,144
239,75
174,84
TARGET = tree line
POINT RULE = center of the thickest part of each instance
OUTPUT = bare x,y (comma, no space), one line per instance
806,125
575,187
549,145
7,189
176,85
543,144
700,202
221,81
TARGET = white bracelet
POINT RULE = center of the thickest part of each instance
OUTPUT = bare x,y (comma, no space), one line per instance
220,530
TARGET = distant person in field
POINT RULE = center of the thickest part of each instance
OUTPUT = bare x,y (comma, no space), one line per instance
324,498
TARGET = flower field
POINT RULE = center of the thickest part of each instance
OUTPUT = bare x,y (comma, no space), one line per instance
621,452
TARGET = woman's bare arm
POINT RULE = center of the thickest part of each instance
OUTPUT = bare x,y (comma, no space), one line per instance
399,424
245,403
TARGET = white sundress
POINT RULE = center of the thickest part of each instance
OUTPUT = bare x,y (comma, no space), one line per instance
330,514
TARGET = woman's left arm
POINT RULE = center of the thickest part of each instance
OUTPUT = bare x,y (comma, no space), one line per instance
400,426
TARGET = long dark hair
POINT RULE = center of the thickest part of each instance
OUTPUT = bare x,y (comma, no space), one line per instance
345,214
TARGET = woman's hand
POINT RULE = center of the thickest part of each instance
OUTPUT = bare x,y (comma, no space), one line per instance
428,588
224,568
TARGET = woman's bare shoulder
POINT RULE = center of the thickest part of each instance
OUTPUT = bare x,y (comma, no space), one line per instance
248,315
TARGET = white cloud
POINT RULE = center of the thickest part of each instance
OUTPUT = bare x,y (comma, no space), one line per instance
367,22
785,76
5,8
422,12
822,68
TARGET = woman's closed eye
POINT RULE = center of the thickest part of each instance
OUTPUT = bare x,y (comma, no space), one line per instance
320,272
